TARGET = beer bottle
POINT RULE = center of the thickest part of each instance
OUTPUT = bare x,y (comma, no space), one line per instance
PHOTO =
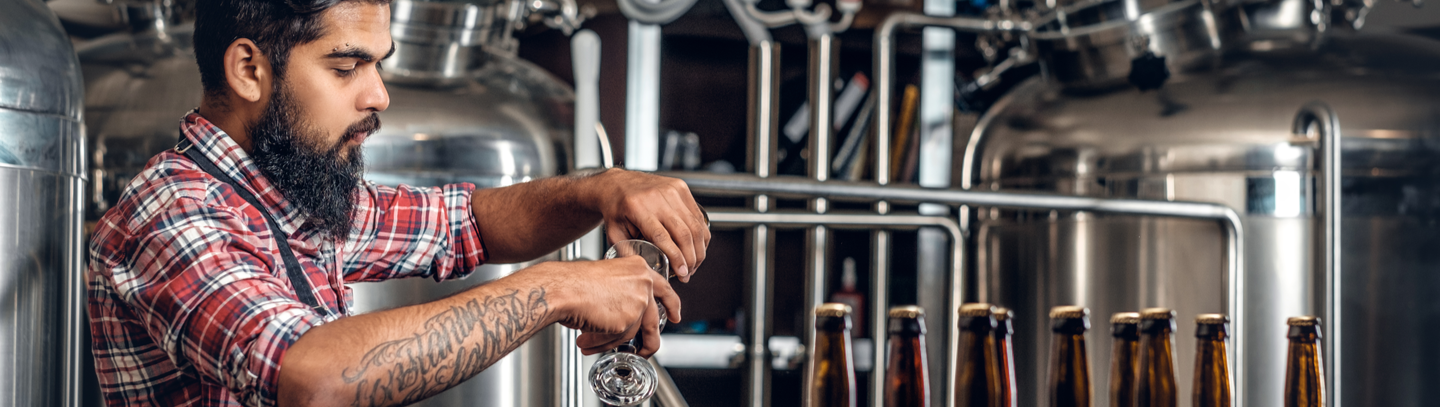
906,381
1155,383
1124,358
1304,377
830,370
1212,366
1005,350
977,377
1069,364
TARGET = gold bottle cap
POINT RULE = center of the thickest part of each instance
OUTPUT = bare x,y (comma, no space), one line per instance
832,309
977,309
1157,313
1307,320
1003,314
1131,318
906,311
1069,312
1212,319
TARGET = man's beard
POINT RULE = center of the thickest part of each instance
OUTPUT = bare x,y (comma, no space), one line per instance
314,177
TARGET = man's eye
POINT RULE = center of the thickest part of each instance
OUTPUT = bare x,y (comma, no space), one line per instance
344,72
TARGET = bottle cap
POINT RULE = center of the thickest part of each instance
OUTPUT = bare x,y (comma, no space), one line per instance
907,320
1307,320
832,309
1212,319
977,309
1069,312
1070,319
1130,318
906,311
1157,313
1125,325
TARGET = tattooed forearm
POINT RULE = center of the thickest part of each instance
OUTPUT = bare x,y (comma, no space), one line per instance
451,347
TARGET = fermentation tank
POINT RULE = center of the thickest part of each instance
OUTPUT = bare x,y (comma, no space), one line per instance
1220,130
463,108
41,179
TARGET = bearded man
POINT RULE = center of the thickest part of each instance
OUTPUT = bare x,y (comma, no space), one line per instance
219,278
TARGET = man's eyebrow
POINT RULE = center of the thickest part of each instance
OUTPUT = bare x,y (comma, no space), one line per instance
358,53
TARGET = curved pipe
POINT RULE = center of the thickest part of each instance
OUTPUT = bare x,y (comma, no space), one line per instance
1327,135
801,188
884,67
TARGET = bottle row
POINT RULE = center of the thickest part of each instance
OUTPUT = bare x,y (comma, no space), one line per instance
1142,365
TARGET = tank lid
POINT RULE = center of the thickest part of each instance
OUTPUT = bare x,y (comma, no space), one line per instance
38,69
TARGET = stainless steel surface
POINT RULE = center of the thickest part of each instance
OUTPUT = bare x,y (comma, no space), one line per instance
1225,136
1091,45
1317,123
935,120
1232,229
763,127
41,178
642,97
666,393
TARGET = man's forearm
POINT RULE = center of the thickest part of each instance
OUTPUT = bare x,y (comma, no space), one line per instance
524,221
403,355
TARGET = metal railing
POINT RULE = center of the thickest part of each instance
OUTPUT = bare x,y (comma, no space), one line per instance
802,188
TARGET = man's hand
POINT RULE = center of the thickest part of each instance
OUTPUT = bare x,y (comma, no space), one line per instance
610,301
638,205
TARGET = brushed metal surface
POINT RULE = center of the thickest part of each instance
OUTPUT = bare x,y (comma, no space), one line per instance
37,263
1225,136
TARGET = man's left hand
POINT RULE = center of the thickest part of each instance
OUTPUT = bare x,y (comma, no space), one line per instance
639,205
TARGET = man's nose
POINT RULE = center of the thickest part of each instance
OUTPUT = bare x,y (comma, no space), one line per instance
374,97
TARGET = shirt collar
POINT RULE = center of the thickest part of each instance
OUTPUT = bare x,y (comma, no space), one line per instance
216,145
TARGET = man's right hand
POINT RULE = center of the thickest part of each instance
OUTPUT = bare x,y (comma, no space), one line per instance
610,301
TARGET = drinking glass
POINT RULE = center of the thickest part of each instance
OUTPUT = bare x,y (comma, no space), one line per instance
621,377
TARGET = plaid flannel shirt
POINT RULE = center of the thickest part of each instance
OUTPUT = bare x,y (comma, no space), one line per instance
188,297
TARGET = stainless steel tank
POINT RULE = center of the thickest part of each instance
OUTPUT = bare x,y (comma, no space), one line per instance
463,108
41,180
1221,131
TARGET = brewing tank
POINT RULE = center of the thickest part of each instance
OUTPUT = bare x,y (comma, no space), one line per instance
1222,133
41,179
473,113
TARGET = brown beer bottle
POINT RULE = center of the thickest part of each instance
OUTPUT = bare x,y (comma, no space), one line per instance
1124,358
1212,366
977,376
1069,364
906,383
830,369
1005,350
1155,382
1304,376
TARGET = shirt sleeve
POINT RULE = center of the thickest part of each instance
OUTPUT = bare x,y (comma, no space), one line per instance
204,291
412,232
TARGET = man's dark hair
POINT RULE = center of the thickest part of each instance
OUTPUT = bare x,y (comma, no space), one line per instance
276,26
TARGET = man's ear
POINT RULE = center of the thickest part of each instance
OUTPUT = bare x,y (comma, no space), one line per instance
247,70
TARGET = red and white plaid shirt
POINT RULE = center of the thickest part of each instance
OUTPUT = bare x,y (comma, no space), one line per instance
189,301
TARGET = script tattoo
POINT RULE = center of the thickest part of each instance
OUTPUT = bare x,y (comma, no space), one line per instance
438,357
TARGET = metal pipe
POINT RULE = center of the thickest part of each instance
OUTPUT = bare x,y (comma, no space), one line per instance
817,242
884,67
843,220
667,394
763,127
642,97
795,187
569,363
1326,130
